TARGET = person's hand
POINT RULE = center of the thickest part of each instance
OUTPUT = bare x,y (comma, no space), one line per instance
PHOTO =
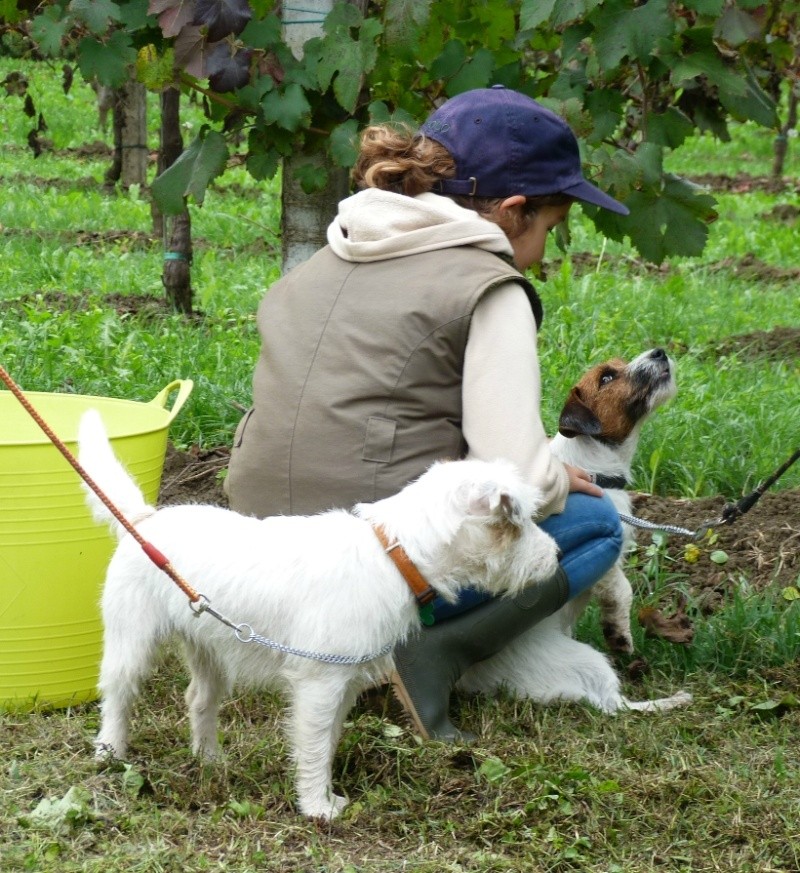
579,480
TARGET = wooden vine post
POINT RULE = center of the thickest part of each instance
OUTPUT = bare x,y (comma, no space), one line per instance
129,164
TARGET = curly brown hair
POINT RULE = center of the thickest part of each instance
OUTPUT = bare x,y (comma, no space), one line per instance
395,158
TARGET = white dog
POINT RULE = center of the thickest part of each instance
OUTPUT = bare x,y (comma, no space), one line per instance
598,431
322,583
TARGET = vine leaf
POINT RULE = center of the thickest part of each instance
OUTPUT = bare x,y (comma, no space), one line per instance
228,71
672,221
191,51
95,13
606,107
735,26
404,21
532,13
287,107
264,33
566,11
343,145
450,60
173,15
262,163
133,15
625,32
106,61
48,29
192,173
222,18
755,103
670,128
342,59
311,176
476,73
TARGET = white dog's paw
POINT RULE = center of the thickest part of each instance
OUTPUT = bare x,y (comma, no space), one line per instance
682,698
326,808
207,750
104,752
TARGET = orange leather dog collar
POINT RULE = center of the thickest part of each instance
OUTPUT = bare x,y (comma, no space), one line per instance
408,570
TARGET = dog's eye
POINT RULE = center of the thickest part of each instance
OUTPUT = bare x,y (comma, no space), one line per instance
607,377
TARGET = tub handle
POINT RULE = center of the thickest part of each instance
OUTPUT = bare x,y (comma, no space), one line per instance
184,389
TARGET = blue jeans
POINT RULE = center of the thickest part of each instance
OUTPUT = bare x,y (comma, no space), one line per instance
589,534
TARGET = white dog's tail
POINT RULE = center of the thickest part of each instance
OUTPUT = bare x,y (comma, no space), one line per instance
98,459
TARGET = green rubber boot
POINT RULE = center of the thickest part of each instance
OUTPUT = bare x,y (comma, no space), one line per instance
428,666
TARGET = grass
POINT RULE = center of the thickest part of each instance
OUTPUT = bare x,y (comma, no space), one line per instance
559,788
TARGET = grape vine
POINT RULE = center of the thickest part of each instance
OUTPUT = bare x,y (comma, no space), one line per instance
634,79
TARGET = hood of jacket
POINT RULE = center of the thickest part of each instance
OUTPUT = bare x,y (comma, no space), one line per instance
375,225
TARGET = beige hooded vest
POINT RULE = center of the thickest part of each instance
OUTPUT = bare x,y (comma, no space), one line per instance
359,383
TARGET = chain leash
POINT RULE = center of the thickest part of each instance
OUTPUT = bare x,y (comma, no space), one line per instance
668,528
245,634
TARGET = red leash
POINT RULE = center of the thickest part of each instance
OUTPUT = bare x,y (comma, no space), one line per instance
160,560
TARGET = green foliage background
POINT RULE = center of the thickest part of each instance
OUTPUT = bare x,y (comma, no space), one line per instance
634,80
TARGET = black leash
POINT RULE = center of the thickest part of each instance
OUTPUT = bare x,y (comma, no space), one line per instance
730,512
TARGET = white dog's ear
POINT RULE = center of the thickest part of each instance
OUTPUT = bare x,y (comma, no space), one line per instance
489,499
511,510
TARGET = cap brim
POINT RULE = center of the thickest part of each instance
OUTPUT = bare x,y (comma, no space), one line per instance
588,193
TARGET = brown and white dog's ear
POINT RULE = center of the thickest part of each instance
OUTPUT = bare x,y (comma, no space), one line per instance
577,419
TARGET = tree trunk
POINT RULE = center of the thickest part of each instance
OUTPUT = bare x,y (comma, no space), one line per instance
177,230
129,164
170,146
177,263
305,217
782,139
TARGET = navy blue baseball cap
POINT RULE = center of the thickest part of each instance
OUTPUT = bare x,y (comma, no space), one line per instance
505,143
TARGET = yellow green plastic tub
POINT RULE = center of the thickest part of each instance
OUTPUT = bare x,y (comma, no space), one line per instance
53,556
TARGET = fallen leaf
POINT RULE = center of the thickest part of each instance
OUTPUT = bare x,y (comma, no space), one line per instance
775,708
71,810
675,628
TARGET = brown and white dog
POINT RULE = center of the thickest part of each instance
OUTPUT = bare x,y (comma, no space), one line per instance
599,430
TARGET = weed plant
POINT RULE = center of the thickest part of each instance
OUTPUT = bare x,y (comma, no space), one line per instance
715,787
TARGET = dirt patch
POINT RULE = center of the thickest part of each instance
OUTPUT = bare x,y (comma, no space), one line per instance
142,306
742,183
778,344
753,268
194,477
763,546
747,267
120,240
